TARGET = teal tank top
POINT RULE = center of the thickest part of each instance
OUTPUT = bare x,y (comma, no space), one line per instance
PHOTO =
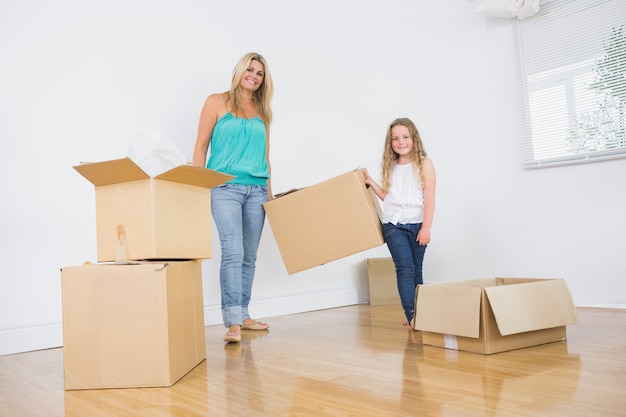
238,147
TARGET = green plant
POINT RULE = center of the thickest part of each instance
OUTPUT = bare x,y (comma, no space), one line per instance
603,128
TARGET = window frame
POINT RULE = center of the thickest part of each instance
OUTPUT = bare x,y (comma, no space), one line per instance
545,141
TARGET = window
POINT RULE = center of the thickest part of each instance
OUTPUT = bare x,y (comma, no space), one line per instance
572,72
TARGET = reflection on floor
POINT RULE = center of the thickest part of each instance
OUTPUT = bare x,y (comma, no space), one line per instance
351,361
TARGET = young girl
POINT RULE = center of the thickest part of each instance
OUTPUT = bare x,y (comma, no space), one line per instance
408,195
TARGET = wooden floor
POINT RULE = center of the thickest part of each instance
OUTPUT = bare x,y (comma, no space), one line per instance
351,361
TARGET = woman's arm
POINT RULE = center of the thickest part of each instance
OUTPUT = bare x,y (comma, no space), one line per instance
270,196
208,118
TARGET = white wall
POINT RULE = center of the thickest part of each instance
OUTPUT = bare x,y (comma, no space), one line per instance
78,80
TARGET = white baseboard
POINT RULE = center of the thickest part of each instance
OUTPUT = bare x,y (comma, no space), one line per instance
29,337
262,308
592,305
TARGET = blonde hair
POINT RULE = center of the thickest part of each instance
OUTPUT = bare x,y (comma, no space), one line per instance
262,96
390,157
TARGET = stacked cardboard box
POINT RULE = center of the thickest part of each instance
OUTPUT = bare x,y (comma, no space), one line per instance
139,321
131,325
165,217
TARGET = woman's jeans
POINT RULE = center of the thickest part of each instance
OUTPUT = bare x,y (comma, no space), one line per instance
408,258
239,216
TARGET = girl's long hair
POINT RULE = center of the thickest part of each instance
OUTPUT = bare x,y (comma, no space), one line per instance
262,96
390,157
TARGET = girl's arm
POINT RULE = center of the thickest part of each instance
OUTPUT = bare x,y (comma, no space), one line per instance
374,186
423,237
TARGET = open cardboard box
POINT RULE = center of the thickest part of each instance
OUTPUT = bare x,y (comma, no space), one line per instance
165,217
131,325
325,222
494,314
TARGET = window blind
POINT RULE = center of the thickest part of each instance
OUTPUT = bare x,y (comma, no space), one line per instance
571,59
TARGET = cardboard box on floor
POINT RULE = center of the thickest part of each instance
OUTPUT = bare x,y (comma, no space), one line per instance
494,314
165,217
325,222
128,325
383,286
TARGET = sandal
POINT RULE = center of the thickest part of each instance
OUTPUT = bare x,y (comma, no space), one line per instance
256,325
232,337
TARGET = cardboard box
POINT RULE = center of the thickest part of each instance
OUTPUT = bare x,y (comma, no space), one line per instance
127,325
383,285
325,222
138,217
494,314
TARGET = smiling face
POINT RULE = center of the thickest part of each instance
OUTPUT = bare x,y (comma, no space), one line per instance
253,76
402,143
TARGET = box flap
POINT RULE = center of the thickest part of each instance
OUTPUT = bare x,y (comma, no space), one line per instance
124,170
478,282
293,190
448,309
111,172
201,177
528,306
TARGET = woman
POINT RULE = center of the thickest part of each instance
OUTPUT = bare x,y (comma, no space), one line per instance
235,124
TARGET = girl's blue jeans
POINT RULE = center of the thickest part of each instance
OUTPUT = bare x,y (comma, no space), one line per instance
239,216
408,258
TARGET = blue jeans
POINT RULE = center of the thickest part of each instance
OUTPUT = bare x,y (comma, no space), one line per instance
239,216
408,258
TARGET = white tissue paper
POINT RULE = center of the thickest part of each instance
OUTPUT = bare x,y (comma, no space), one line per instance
521,9
154,153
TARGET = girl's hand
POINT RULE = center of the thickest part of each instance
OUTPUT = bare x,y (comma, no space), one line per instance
423,237
368,179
